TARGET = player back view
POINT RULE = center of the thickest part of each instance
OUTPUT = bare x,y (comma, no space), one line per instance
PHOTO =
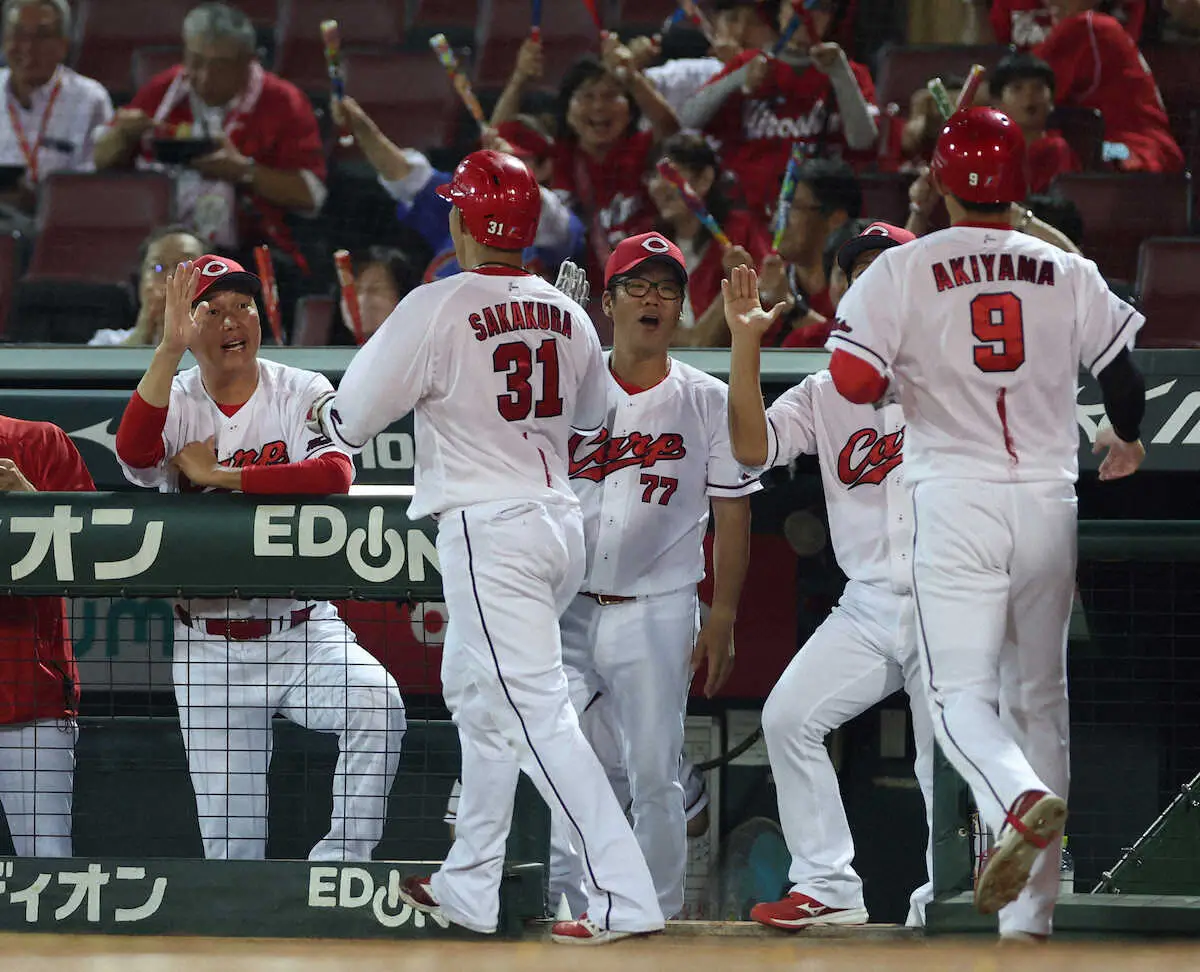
498,366
985,330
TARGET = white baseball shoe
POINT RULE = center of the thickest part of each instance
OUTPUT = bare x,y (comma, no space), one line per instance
1035,821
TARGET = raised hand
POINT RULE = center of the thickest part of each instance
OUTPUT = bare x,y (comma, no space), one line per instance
1123,457
736,256
179,327
825,57
530,61
572,281
744,313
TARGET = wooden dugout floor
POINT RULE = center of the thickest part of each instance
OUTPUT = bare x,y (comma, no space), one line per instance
102,953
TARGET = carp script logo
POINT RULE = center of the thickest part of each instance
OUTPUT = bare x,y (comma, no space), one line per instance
605,454
867,457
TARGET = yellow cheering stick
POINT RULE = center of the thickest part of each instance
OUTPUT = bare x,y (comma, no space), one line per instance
462,84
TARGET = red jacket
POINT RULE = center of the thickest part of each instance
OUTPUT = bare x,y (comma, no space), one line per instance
1097,65
1026,23
38,677
1046,158
704,283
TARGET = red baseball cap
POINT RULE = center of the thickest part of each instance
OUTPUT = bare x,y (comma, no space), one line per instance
526,141
220,273
877,236
633,252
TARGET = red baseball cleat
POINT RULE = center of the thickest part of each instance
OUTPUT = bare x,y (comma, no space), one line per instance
799,911
1035,821
584,931
416,892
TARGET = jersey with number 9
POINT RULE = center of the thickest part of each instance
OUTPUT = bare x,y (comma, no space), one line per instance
498,366
984,330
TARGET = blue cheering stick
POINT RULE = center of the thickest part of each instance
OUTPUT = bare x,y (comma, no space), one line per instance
801,14
535,31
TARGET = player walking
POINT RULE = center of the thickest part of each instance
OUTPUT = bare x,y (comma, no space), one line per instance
498,366
645,480
236,423
985,330
866,649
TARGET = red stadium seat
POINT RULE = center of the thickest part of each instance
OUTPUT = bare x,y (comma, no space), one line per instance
314,321
8,276
1168,284
560,20
1120,210
263,13
1176,70
407,94
109,31
498,56
902,70
90,226
300,52
645,13
150,61
885,196
447,13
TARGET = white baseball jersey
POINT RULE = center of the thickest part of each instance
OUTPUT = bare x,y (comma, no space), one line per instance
645,478
985,329
267,430
497,366
860,449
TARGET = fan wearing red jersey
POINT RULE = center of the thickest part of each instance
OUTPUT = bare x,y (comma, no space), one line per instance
982,331
1098,65
1022,86
759,106
39,684
1025,23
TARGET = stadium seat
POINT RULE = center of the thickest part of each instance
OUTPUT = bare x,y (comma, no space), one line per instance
1176,70
446,13
1083,129
9,256
407,94
314,321
1168,286
902,70
300,51
885,196
1120,210
498,56
91,226
150,61
109,31
560,20
644,13
53,311
262,12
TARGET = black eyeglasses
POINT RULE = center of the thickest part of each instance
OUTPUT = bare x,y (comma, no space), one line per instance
640,287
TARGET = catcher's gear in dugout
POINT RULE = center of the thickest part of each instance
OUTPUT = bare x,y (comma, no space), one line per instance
980,157
498,197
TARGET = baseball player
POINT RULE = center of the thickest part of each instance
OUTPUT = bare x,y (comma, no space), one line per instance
985,330
498,366
866,649
39,682
235,423
646,480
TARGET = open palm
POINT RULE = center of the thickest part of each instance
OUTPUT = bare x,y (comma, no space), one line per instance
744,313
178,324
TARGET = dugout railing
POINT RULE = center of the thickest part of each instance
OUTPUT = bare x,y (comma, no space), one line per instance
1134,678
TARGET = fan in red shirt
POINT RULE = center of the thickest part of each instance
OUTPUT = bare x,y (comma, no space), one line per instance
702,322
269,159
828,199
1026,23
601,158
1022,87
759,106
39,683
1098,65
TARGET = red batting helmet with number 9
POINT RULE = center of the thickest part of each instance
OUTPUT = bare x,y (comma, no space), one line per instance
498,197
980,157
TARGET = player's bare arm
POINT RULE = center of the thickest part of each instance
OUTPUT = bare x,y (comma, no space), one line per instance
179,329
12,480
748,322
731,556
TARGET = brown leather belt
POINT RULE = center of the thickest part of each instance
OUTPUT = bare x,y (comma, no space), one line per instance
606,599
241,629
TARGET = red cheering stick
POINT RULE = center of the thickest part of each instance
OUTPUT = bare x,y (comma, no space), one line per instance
535,30
595,12
696,15
970,88
270,290
333,63
349,289
666,168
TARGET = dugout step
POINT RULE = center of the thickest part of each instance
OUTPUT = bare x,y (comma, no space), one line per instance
1079,915
540,931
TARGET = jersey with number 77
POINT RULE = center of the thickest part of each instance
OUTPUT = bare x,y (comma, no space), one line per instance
497,366
984,330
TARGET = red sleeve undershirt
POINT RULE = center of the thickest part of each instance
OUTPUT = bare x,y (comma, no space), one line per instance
856,380
140,445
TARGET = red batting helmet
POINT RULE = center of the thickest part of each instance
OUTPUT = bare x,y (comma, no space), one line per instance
980,157
498,197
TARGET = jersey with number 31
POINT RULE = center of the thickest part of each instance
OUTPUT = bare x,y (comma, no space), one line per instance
497,366
984,329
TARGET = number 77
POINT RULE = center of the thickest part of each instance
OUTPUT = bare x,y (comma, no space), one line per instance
652,482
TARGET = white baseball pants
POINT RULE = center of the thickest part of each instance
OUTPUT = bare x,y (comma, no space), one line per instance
637,655
994,572
37,773
319,677
509,569
862,653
